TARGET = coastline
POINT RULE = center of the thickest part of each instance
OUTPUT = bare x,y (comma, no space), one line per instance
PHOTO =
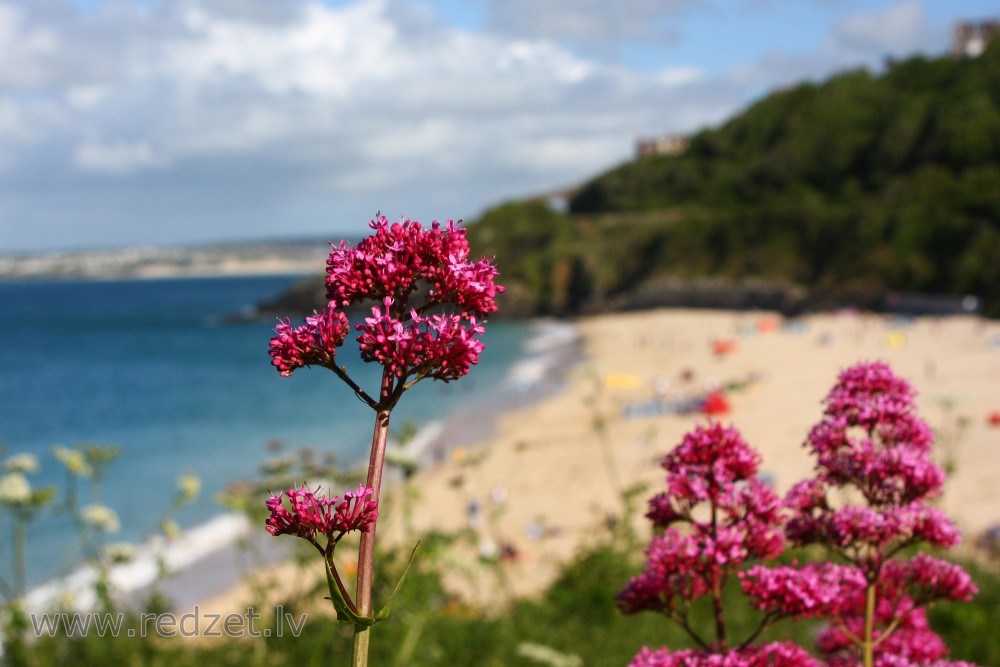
211,559
531,463
548,483
551,351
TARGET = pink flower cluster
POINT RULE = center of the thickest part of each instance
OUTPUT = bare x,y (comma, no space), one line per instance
442,347
870,445
777,654
396,258
713,467
912,644
311,514
314,343
411,272
807,592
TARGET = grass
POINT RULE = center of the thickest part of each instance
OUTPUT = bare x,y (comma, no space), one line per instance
575,621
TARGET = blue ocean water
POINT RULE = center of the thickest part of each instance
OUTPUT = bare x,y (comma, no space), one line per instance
152,366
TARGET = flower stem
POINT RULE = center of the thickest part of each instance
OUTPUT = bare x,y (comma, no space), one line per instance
868,646
366,552
717,585
20,540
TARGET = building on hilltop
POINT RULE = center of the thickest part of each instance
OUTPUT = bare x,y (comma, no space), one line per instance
971,37
668,144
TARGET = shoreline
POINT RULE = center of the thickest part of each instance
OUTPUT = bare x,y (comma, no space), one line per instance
547,483
203,563
529,471
551,351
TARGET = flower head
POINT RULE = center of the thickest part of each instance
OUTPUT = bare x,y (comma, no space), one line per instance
429,302
74,460
871,447
101,517
357,511
395,260
14,489
314,343
25,462
813,590
311,514
776,654
712,467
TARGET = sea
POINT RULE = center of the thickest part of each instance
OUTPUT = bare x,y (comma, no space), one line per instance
159,369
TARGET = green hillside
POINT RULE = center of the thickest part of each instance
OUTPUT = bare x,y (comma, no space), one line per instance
860,184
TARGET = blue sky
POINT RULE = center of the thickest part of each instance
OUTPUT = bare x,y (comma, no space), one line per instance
143,122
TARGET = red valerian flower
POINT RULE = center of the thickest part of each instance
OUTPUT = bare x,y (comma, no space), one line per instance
356,512
806,592
392,262
776,654
314,343
430,301
728,517
872,447
312,514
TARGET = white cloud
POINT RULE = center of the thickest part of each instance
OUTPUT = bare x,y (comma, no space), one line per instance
591,21
287,115
24,49
858,39
899,29
86,97
117,157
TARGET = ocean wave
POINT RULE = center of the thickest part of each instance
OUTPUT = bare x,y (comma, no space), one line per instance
77,592
547,349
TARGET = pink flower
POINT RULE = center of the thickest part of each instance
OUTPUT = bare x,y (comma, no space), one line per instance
672,571
387,340
715,469
719,456
469,285
443,347
283,522
397,258
777,654
934,579
430,300
314,343
312,514
871,448
813,590
662,511
356,512
872,444
451,346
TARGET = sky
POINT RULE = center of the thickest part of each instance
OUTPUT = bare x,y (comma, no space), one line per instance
152,122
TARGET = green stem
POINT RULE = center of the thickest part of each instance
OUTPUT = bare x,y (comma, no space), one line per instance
366,552
362,637
20,540
610,464
868,645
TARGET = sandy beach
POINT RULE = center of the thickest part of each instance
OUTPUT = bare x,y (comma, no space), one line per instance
548,478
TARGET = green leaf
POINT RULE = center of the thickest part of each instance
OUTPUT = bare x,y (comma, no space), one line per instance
344,612
384,613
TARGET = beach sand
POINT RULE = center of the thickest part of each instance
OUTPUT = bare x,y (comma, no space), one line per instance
547,479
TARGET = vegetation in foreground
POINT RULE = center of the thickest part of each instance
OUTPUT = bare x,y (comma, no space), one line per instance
574,623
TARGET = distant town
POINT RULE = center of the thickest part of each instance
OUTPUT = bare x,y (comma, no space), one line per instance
224,259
